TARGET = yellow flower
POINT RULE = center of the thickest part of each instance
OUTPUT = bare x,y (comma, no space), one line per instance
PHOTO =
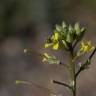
54,43
56,46
86,47
55,36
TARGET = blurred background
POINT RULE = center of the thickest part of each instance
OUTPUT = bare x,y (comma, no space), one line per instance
26,24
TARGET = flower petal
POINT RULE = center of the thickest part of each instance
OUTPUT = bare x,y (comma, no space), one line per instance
56,46
56,36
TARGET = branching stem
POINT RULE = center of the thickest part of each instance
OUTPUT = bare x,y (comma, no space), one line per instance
87,61
64,84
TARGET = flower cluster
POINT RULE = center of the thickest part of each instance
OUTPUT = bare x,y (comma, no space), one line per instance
64,35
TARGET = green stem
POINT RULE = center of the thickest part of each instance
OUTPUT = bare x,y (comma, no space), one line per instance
74,81
87,61
74,88
73,71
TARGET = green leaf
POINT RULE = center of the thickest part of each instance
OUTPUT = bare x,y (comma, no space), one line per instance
77,28
70,29
63,24
69,38
65,44
58,28
83,30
